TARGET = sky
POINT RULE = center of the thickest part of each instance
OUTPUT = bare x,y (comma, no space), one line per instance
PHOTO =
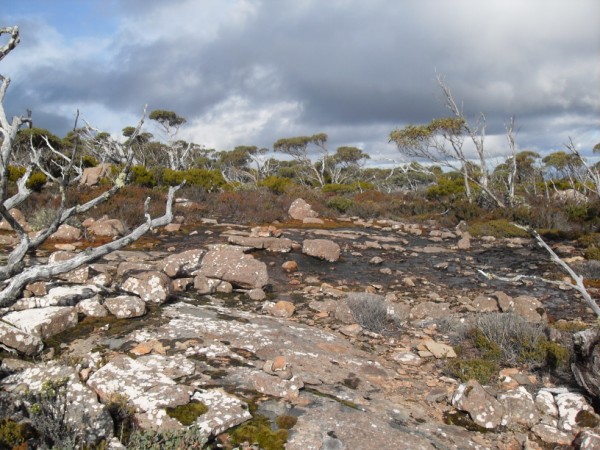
248,72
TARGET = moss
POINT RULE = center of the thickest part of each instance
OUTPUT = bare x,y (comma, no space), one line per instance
258,431
187,414
286,422
11,433
587,419
482,370
498,228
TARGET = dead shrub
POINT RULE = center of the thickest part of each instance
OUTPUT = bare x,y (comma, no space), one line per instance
370,312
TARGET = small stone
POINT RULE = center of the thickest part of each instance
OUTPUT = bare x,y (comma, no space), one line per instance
282,308
290,266
353,330
440,350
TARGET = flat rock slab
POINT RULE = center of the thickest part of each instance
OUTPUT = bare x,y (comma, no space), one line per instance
229,263
43,322
224,411
21,341
272,244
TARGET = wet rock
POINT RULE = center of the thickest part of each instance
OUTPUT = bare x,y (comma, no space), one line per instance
92,175
272,244
282,308
224,411
92,307
229,263
84,413
300,210
107,227
290,266
322,249
183,264
151,286
482,407
19,340
126,306
43,322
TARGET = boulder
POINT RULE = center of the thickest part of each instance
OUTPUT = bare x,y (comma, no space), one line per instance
300,210
204,285
151,286
183,264
92,307
229,263
272,244
128,267
570,405
519,408
92,175
526,306
106,227
482,407
19,217
126,306
58,296
43,322
66,232
79,275
256,294
280,309
19,340
321,248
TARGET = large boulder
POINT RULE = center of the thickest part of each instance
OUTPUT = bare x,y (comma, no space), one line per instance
230,263
300,210
483,408
19,217
19,340
67,232
126,306
43,322
151,286
58,296
321,248
106,227
92,175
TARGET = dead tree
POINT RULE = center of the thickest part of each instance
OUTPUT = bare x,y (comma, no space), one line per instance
15,273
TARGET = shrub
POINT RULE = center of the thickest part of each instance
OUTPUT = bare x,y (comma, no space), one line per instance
592,253
370,312
89,161
42,218
209,180
142,177
482,370
188,438
340,204
36,181
15,173
496,228
337,188
275,184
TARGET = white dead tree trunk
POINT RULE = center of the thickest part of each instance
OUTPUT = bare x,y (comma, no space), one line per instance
15,274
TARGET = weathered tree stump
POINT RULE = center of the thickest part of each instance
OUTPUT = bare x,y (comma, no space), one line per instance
586,361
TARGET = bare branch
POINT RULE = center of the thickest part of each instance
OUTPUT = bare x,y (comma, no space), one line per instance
13,41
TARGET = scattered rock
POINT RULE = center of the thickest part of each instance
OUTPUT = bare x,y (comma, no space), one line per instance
482,407
282,308
126,306
440,350
92,175
229,263
43,322
300,210
151,286
19,340
107,227
183,264
322,249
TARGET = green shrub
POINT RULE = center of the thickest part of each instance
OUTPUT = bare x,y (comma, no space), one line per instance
142,177
12,433
482,370
592,253
340,204
36,181
339,188
42,218
209,180
15,173
89,161
275,184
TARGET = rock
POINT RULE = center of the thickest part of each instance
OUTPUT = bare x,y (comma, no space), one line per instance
84,414
282,308
484,303
376,260
205,285
182,284
407,358
353,330
66,232
19,217
551,435
92,175
132,267
530,308
256,294
58,296
300,210
172,228
21,341
79,275
146,347
465,242
275,386
229,263
440,350
272,244
430,310
151,286
176,366
569,407
586,360
106,227
569,196
322,249
265,231
37,288
224,411
544,402
519,408
183,264
147,390
43,322
126,306
313,221
483,408
92,307
588,440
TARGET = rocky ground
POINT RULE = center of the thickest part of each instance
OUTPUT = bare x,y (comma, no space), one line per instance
339,331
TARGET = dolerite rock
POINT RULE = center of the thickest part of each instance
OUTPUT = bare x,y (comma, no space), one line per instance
300,210
151,286
321,248
107,227
58,296
182,264
92,307
91,175
526,306
230,263
21,341
19,217
43,322
126,306
482,407
280,309
272,244
79,275
66,232
519,408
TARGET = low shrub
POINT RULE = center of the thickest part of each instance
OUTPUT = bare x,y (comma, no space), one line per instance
498,228
275,184
340,204
188,438
15,173
592,253
370,312
141,176
36,181
482,370
41,218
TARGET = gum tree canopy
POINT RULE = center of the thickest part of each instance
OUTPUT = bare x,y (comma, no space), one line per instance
59,165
